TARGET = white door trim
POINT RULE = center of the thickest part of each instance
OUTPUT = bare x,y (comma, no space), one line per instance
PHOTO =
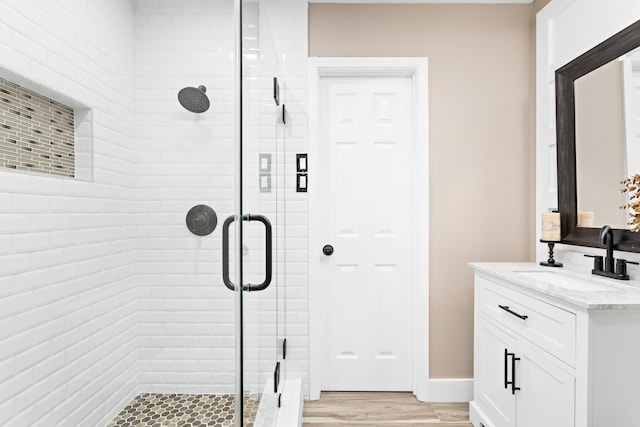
417,69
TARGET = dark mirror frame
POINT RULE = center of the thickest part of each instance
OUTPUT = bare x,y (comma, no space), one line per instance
612,48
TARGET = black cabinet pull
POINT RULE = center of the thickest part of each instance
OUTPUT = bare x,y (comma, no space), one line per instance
511,383
506,308
506,368
513,373
507,383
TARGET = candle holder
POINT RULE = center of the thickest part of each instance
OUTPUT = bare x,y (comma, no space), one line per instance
550,262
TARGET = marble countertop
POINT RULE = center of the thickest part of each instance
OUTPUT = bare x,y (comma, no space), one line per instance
578,288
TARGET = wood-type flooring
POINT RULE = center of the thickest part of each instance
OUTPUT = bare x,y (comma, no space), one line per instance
388,409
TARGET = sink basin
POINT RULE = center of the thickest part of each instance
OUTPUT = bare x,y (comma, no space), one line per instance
563,281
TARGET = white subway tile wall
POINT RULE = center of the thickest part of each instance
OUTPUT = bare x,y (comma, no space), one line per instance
103,291
187,334
68,291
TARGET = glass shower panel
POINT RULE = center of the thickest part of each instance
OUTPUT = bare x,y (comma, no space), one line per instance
262,240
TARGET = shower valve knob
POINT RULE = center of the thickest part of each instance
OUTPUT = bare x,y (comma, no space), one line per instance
327,250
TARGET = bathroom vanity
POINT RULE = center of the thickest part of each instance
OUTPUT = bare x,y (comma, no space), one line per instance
554,348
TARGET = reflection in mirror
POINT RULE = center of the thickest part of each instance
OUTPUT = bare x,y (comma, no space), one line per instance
601,146
631,83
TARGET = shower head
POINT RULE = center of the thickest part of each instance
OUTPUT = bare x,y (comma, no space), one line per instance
194,99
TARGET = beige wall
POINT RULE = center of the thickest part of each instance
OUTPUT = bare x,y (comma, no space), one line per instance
480,140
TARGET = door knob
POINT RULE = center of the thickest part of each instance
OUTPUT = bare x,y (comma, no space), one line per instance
327,250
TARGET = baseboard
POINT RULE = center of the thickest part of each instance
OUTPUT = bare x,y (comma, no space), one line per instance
451,390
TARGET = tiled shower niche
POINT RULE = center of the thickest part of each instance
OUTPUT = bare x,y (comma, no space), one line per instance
36,132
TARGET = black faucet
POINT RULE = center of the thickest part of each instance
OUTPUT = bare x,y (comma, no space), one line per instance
606,238
615,269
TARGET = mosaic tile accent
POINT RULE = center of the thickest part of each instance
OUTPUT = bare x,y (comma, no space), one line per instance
36,132
184,410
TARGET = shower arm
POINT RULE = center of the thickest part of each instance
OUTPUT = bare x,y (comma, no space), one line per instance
268,252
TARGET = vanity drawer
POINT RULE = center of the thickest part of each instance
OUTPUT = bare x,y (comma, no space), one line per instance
547,326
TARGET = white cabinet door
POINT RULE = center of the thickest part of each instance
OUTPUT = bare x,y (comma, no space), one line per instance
547,393
494,371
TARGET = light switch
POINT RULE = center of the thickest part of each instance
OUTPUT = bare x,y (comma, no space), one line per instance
265,162
301,162
301,183
265,183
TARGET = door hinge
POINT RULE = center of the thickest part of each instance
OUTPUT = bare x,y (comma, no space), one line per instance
276,378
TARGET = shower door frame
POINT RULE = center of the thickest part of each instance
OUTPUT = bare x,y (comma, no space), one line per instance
238,206
417,70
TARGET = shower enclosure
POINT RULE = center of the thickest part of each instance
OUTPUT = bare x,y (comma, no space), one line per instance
236,140
191,310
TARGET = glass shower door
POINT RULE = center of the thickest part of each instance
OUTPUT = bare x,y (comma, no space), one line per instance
257,226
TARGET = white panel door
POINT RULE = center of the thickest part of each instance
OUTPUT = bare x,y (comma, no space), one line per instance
365,186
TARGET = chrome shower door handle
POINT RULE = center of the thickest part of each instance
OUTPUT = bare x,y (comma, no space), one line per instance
268,253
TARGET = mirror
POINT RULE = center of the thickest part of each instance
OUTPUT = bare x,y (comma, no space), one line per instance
607,101
598,139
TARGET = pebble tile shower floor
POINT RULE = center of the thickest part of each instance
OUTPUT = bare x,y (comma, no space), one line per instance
184,410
